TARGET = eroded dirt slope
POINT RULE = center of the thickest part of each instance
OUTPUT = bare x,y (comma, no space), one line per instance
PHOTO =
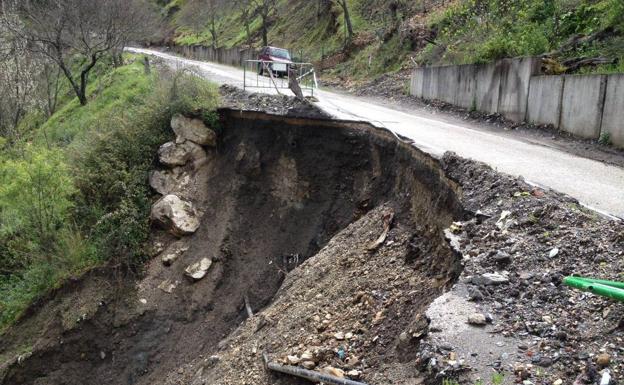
271,194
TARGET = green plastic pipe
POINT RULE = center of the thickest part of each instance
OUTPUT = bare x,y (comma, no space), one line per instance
610,289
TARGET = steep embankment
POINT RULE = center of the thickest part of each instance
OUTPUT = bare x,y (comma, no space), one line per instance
581,36
271,192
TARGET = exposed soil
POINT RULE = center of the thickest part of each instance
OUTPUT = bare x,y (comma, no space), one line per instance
294,211
544,330
272,194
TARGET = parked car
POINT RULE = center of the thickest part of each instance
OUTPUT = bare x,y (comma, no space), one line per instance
279,60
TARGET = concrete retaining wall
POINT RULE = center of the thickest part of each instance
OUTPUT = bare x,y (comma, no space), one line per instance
544,102
583,105
613,113
229,56
514,86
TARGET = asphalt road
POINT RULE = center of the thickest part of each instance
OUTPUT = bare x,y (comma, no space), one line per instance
595,184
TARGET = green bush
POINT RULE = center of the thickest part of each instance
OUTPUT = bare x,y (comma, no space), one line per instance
76,195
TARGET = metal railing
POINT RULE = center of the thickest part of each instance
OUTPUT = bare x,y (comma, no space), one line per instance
274,75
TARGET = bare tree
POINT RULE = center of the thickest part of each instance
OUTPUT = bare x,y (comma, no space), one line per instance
201,14
18,77
265,8
347,17
76,34
245,8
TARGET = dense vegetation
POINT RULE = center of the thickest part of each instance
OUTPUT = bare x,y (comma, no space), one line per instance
392,34
73,189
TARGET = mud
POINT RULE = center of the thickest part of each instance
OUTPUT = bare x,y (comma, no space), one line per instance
281,198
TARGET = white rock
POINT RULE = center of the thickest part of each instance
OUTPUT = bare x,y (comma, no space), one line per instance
194,130
477,319
293,360
199,269
554,252
173,154
355,374
494,279
175,215
308,365
167,286
167,182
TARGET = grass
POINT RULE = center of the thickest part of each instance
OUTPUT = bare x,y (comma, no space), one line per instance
466,31
74,193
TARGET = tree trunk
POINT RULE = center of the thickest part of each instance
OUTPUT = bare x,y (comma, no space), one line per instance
347,18
265,31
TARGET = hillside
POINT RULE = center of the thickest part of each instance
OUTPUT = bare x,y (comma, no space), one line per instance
392,34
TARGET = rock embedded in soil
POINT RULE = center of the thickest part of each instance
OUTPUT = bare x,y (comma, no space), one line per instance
175,215
172,154
167,182
198,270
492,279
477,319
194,130
603,360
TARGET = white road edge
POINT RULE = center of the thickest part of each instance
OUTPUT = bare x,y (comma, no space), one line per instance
596,185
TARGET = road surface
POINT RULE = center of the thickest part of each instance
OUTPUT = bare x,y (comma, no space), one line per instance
595,184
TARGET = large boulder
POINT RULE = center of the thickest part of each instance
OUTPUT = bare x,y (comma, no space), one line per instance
174,154
166,182
175,215
194,130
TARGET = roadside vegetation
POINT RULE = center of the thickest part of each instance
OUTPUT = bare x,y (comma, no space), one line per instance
363,38
73,188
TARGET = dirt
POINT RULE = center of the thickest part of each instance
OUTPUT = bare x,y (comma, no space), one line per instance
272,194
552,332
356,252
392,90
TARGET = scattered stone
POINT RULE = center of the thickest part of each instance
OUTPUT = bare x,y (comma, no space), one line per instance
404,337
553,253
194,130
477,319
307,356
143,301
354,374
474,294
339,336
330,370
293,360
603,360
199,269
492,279
502,257
173,154
558,382
167,286
308,365
170,257
175,215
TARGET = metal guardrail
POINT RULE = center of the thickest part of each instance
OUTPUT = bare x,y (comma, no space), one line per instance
273,75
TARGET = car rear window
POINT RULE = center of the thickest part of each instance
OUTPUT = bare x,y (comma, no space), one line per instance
280,53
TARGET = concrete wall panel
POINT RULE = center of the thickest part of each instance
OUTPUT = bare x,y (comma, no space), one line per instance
466,87
581,105
544,102
613,114
487,77
416,85
514,87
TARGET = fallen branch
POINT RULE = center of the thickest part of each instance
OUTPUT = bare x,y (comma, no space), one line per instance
387,219
248,306
309,375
